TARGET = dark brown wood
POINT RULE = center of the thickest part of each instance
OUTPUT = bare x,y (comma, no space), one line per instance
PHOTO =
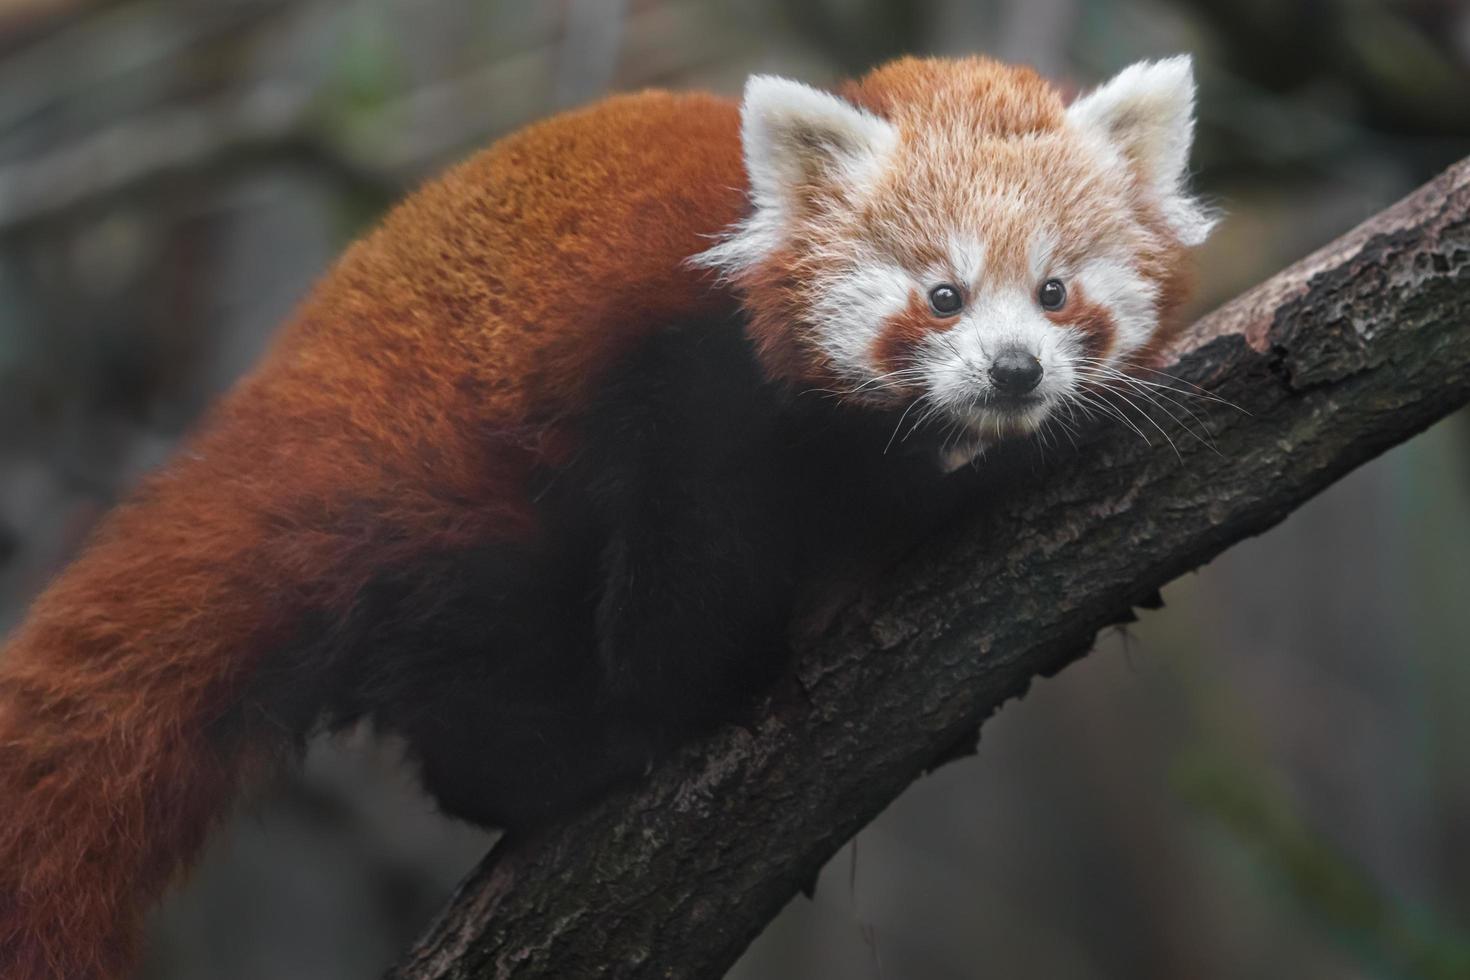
1331,362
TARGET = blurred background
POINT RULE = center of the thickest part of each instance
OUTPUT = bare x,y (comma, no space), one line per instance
1268,778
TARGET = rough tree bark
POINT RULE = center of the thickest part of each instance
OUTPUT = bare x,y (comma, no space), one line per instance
1345,354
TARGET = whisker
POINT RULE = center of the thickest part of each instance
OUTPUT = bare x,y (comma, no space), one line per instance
953,434
928,414
1197,391
1065,427
1149,418
882,382
1153,398
1042,440
1112,412
899,424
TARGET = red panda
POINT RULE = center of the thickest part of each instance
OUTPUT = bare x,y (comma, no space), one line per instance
537,474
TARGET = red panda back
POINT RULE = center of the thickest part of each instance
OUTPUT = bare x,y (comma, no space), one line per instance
400,411
535,263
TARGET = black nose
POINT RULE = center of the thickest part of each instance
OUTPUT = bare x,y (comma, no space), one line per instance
1015,372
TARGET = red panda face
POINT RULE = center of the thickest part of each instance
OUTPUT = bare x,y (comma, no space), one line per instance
949,234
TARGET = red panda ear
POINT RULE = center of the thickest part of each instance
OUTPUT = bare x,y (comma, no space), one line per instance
797,137
1146,113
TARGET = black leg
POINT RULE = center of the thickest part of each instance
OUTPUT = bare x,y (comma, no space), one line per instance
486,664
695,603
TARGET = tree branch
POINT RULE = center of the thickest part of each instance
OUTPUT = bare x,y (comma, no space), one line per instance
1333,361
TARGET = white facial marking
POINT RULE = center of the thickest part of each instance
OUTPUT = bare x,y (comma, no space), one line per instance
1041,257
852,309
966,260
816,162
957,363
1126,295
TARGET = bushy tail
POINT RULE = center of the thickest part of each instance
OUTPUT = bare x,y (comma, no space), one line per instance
122,734
132,702
106,794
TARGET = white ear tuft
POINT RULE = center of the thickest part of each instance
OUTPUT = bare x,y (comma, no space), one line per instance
1146,113
797,136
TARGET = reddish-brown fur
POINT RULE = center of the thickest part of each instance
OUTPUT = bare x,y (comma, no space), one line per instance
1004,100
400,411
1091,320
775,300
904,333
967,124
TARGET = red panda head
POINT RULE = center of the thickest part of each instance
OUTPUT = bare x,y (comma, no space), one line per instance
950,231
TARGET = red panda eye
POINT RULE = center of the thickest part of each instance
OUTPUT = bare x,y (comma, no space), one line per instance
1052,294
945,300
